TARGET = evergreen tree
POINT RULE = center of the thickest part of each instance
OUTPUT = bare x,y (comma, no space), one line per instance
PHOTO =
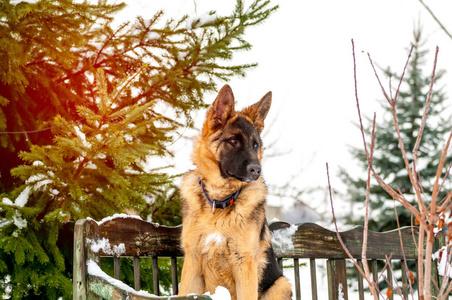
388,161
82,107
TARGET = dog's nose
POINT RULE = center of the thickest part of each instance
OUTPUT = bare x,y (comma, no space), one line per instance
254,170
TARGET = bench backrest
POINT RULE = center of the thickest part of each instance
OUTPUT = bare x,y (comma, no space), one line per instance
133,237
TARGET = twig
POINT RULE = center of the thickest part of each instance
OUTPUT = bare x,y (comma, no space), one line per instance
403,251
403,75
412,177
366,217
394,280
421,131
444,181
364,262
420,259
436,19
446,277
439,171
380,181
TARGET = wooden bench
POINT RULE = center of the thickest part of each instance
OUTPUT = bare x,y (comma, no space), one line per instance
136,239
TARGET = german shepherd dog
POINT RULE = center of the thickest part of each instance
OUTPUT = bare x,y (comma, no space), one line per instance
227,241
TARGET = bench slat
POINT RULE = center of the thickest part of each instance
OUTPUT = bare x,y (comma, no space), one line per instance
296,268
174,279
337,275
360,281
155,275
313,279
389,276
136,273
116,268
142,238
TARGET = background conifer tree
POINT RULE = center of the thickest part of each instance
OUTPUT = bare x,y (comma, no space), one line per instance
83,106
387,159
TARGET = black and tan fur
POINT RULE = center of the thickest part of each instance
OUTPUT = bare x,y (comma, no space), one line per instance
229,247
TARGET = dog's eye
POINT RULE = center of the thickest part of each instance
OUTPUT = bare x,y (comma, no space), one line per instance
233,142
256,145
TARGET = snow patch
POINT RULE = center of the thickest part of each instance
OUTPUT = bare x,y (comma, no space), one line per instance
116,216
340,293
82,136
443,256
221,293
104,245
7,201
40,180
283,237
95,270
22,199
5,222
91,166
18,221
41,184
101,156
128,138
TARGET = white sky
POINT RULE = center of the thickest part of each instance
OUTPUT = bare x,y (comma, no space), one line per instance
305,59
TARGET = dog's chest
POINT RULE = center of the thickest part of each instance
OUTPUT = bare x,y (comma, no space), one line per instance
215,239
213,243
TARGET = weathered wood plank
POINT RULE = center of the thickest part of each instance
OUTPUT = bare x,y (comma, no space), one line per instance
314,241
83,230
142,238
79,286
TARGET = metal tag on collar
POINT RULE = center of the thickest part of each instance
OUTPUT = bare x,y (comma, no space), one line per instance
213,206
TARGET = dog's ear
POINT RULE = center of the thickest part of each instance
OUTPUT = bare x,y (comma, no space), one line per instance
258,111
222,108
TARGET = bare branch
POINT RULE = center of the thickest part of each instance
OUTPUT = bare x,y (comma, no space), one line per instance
421,131
411,174
364,262
380,181
388,98
403,75
436,19
403,251
442,161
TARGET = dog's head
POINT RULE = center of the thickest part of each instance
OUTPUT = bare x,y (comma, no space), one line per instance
232,142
